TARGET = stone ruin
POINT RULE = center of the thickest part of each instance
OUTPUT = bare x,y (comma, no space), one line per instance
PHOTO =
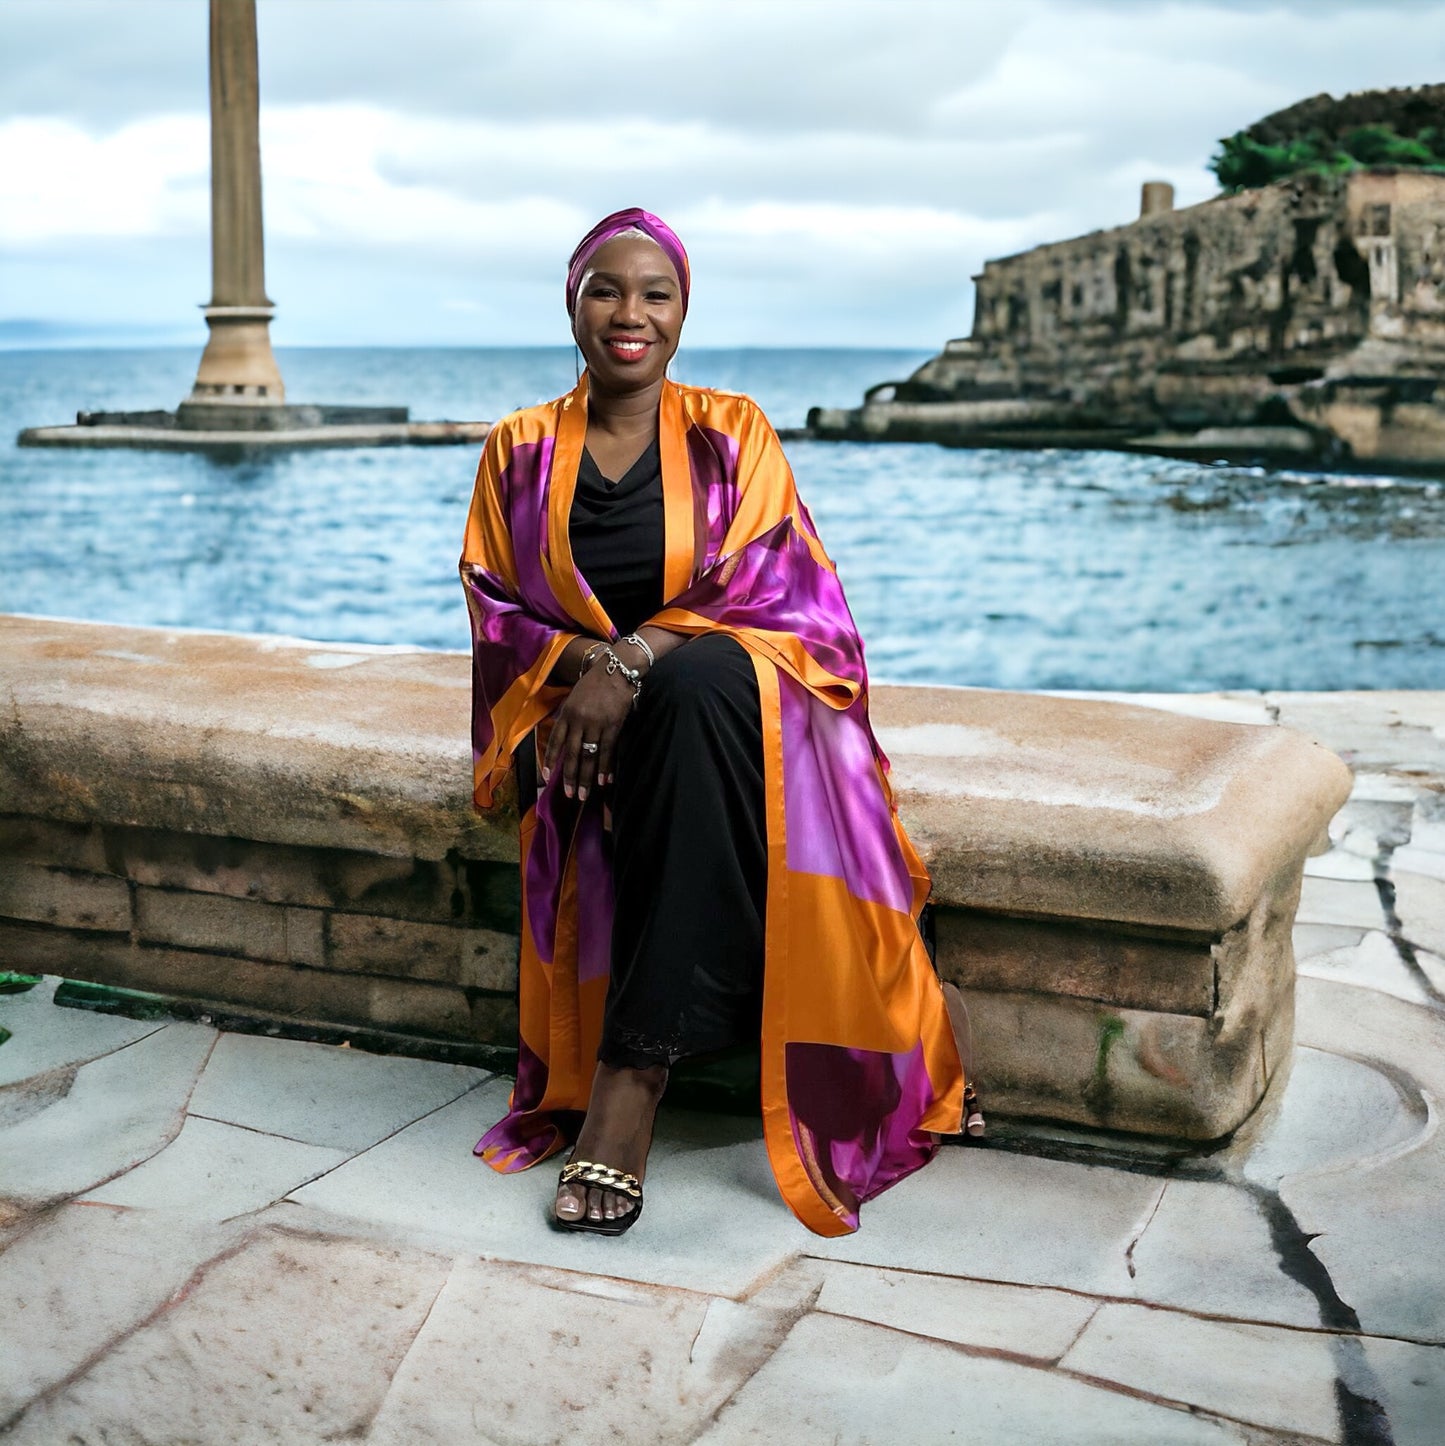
1301,321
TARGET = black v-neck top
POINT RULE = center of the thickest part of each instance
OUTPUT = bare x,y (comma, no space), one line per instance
616,531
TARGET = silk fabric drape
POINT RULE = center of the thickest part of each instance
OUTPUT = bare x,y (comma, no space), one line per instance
858,1060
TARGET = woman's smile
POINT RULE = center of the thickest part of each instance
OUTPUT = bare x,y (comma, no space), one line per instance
628,349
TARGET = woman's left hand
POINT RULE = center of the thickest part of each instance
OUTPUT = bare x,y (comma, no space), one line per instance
593,714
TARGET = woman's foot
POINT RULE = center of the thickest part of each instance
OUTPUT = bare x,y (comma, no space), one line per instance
973,1122
616,1132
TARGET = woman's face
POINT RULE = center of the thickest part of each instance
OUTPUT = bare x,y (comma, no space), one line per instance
629,314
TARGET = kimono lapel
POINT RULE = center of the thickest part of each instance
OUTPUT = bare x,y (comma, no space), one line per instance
678,512
559,564
680,543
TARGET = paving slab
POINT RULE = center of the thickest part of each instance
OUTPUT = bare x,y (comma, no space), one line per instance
85,1276
289,1340
119,1110
1371,827
714,1221
1433,967
1336,1113
995,1215
1429,863
1020,1320
1378,730
1208,1249
44,1036
580,1359
1340,864
1337,901
1420,905
1312,939
1380,1228
1427,821
848,1383
1409,1381
325,1095
1374,962
217,1171
1384,787
1280,1379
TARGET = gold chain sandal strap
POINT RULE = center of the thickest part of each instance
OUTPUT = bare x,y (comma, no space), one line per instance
586,1172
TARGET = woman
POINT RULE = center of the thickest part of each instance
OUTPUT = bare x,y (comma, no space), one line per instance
709,849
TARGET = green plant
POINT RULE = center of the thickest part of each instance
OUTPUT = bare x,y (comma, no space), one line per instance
1242,162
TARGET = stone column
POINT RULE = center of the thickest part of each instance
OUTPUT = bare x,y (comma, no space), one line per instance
237,371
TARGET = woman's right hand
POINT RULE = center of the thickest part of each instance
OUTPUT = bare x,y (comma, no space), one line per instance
593,712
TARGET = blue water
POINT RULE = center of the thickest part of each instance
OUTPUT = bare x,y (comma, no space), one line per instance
1045,569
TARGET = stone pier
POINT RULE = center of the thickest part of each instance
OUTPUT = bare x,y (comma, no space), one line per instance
238,402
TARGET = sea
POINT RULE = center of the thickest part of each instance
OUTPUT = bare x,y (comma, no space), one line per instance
1040,569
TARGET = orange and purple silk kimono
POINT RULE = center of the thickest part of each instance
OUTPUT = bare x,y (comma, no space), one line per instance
858,1061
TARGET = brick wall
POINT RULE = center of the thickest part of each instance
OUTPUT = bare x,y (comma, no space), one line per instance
307,935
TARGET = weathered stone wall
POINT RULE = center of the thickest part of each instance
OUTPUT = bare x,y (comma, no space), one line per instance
404,946
1292,307
283,830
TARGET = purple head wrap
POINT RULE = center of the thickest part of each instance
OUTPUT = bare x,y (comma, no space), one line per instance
632,219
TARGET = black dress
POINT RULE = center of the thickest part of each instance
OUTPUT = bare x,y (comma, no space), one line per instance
689,841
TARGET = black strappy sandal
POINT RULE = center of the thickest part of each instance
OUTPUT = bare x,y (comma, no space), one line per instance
605,1178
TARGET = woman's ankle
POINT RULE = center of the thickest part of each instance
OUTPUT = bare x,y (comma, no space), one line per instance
650,1081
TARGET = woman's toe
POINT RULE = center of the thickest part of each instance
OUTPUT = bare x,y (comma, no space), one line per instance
569,1204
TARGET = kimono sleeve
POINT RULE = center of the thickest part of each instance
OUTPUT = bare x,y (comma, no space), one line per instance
514,649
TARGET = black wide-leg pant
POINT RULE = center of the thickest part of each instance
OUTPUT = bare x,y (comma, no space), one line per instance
689,853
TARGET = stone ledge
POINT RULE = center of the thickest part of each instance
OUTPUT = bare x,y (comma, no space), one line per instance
1020,803
1077,808
284,830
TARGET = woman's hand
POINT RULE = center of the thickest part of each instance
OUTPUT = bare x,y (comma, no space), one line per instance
594,713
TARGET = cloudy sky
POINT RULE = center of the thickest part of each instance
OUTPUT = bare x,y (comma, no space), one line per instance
837,168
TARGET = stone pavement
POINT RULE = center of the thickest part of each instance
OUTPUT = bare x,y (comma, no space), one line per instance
224,1238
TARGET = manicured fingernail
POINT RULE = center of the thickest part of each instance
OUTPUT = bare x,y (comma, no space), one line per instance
582,795
568,788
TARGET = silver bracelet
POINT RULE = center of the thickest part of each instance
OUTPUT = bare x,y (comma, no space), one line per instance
590,657
641,644
632,675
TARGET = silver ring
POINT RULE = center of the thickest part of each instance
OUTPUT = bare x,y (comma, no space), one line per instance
589,748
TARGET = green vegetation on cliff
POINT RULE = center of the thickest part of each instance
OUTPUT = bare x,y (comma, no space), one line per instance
1242,162
1325,136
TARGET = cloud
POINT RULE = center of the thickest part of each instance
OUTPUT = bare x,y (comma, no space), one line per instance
149,178
839,170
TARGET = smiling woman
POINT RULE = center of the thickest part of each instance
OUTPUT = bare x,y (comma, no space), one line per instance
710,853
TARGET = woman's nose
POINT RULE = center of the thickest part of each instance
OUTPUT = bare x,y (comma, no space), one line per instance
629,309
